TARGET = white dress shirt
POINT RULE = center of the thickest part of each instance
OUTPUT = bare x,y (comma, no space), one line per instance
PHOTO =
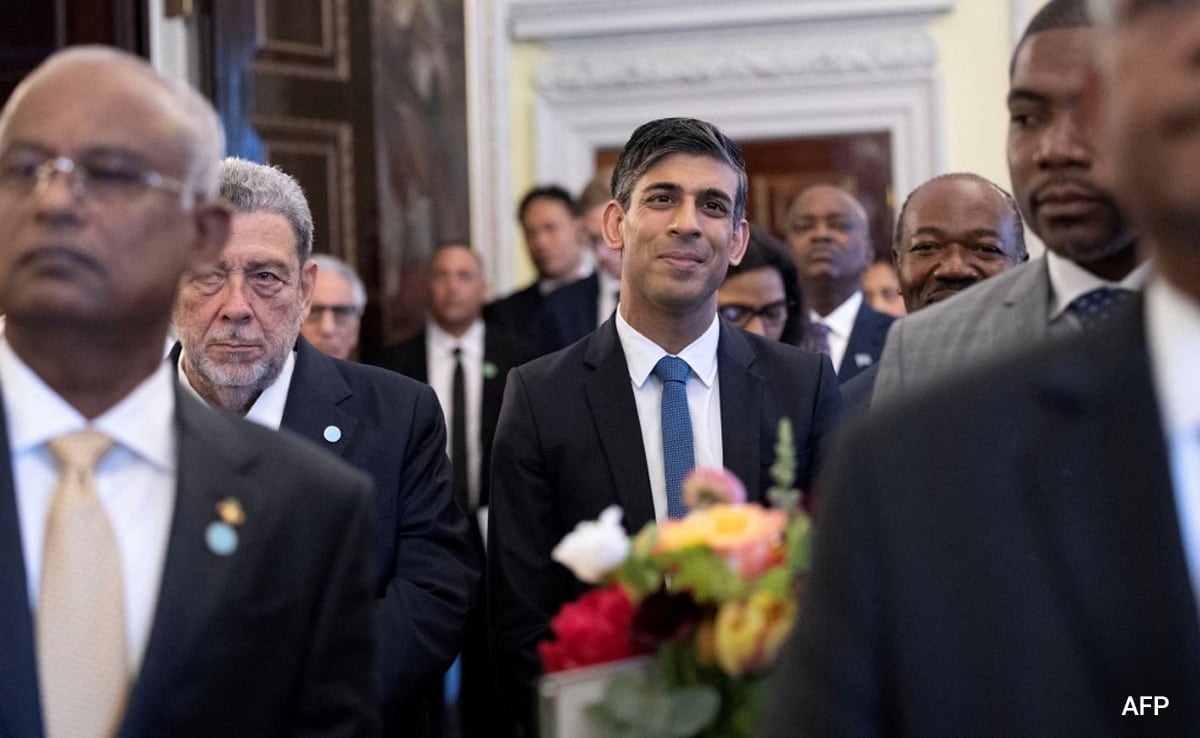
267,410
135,480
840,323
1069,281
439,356
703,396
1173,340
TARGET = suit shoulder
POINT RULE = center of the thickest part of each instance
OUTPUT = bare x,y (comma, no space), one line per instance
357,373
292,462
398,354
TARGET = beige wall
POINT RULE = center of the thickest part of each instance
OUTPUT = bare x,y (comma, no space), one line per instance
974,44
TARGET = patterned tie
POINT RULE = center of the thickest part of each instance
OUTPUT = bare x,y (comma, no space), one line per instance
819,341
458,433
678,455
1093,308
81,611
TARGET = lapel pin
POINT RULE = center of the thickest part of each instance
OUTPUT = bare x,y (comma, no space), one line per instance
332,433
489,370
862,360
221,538
221,535
230,511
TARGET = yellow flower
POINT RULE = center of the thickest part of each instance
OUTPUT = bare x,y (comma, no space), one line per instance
749,536
748,635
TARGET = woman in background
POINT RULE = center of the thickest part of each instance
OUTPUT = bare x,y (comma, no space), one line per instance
762,294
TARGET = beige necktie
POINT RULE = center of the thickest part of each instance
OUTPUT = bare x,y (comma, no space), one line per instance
81,607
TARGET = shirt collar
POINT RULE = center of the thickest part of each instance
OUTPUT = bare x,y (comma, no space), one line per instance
1070,280
267,410
441,343
142,422
841,320
1173,339
641,354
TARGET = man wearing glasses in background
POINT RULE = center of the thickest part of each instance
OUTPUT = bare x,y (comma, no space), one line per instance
164,569
337,306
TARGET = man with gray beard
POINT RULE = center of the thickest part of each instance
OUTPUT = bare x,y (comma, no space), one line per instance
239,323
1063,183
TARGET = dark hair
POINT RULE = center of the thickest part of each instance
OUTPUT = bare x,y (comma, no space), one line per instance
654,141
1018,227
1053,15
548,192
764,250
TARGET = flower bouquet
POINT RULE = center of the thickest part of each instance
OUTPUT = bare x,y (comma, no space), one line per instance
712,597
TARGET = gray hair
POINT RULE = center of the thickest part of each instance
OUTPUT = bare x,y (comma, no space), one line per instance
206,138
249,187
334,265
1102,12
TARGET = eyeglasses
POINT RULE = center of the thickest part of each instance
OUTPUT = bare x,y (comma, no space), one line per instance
101,180
774,314
342,314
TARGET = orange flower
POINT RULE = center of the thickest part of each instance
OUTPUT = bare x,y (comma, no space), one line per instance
750,537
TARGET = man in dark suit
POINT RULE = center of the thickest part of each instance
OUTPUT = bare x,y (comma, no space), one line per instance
1044,581
549,218
827,232
572,312
1062,180
240,349
202,577
581,429
457,334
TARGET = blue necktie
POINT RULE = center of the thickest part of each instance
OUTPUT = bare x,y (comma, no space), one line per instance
678,456
1092,308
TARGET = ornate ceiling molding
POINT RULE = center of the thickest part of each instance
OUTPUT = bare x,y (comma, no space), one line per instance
812,59
554,20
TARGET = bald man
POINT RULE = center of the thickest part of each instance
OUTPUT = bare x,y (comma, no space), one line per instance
828,235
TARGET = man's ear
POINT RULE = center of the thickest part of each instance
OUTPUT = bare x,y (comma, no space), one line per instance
211,221
614,225
741,238
308,281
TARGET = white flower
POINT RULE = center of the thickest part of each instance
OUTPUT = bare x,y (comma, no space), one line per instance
595,547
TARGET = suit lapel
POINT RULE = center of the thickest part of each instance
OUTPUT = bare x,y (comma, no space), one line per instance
741,408
20,708
314,398
1102,507
196,582
609,396
1030,297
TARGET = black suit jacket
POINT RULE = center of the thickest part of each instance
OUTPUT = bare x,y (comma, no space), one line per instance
866,342
272,640
569,313
1001,557
518,314
569,444
425,566
504,352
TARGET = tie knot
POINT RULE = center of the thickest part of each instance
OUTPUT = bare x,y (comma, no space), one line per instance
1094,306
81,450
457,353
671,369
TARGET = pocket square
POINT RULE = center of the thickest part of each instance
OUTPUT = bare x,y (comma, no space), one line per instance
861,360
